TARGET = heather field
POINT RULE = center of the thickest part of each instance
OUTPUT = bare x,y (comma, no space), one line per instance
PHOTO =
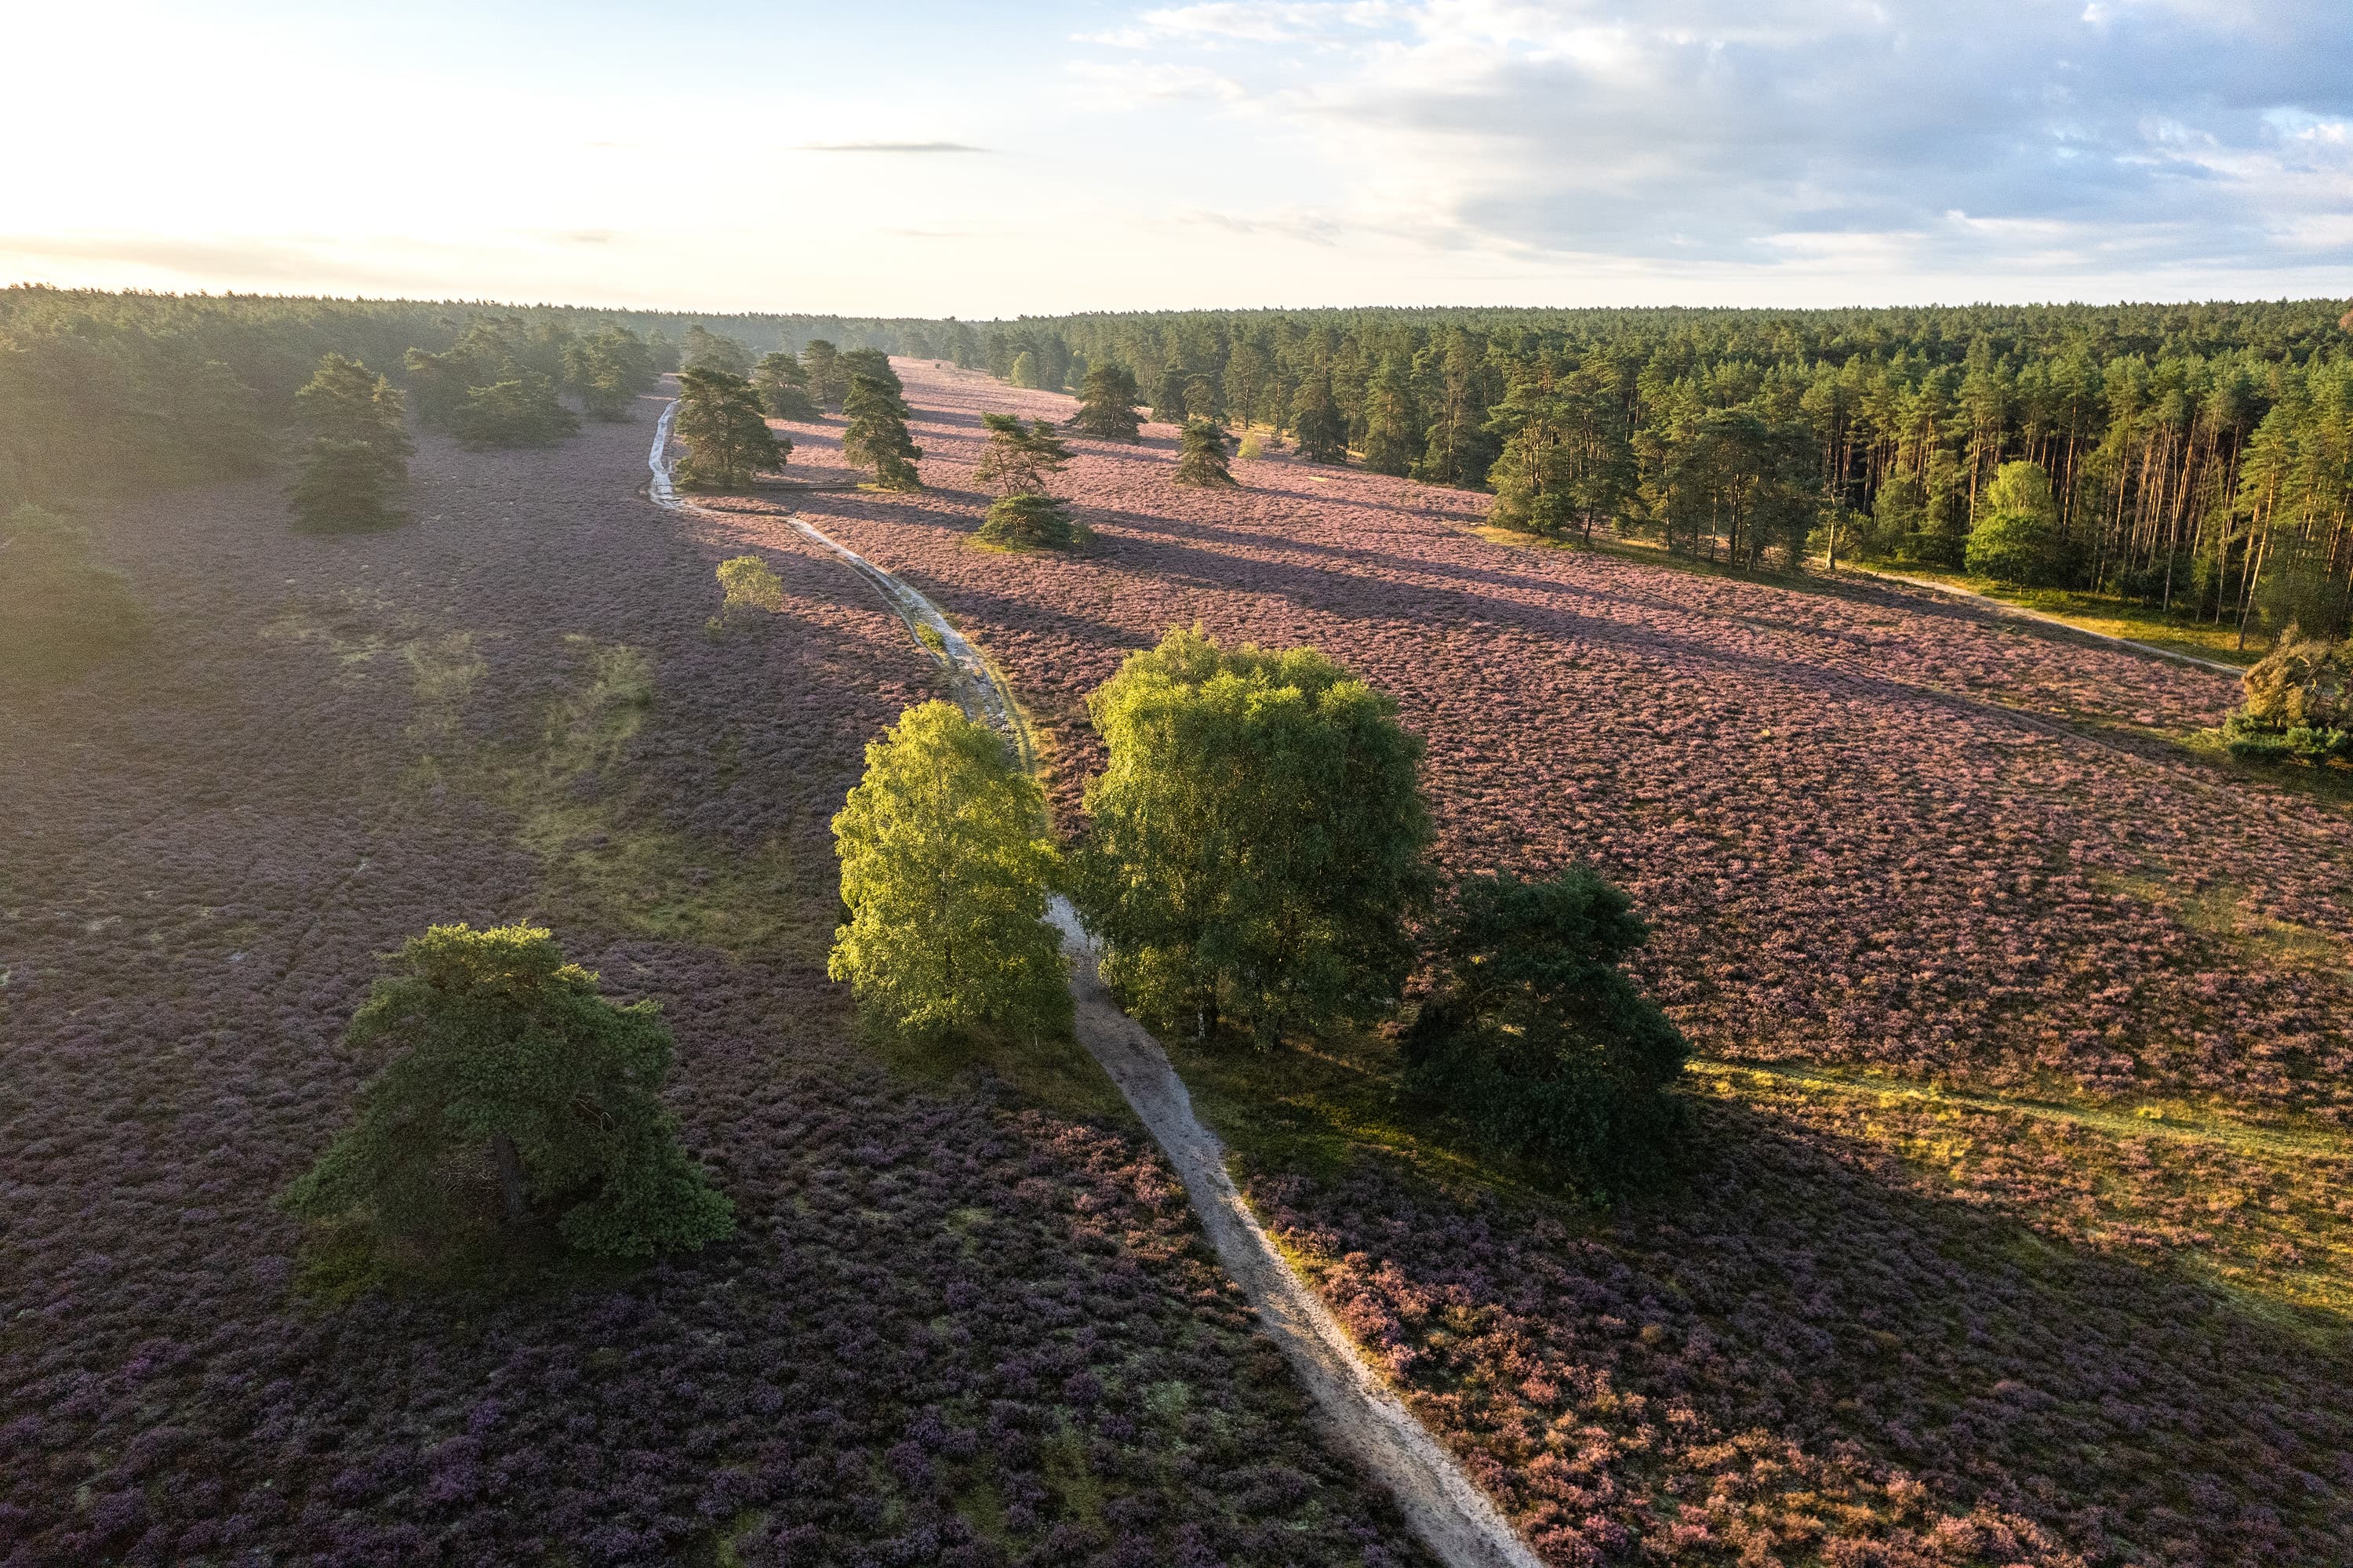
949,1330
2016,1228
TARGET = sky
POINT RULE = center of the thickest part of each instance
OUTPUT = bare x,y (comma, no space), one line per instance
987,160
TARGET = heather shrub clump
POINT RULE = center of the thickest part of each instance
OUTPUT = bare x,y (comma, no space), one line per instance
946,866
1537,1038
750,583
511,1060
58,607
2299,703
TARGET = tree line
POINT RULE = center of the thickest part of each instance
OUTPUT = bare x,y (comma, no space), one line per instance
2198,457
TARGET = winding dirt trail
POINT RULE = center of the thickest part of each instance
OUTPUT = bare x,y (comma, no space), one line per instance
1452,1516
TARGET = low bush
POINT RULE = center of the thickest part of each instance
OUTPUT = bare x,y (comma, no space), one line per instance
1032,521
1535,1036
521,412
59,609
515,1084
2299,703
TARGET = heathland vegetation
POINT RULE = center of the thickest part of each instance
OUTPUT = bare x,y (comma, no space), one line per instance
1769,1073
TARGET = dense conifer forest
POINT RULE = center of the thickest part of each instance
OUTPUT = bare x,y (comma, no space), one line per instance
2199,457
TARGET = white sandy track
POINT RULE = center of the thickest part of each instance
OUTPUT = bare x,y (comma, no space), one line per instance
1453,1518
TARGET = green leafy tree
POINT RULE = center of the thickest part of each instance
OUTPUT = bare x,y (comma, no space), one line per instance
1535,1037
523,412
875,437
708,350
783,388
2018,538
1024,372
945,868
1107,405
357,461
1258,838
59,609
505,1055
1031,521
1201,457
1321,429
1018,458
725,431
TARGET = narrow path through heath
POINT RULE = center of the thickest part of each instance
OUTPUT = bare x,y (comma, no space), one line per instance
1453,1518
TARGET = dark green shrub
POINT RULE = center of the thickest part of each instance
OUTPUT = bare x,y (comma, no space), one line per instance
521,412
357,462
1032,521
1201,457
514,1089
1538,1040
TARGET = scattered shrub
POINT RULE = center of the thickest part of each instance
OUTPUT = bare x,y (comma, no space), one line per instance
945,867
1535,1036
58,608
750,584
1253,447
1031,521
2299,703
1020,458
1258,837
508,1055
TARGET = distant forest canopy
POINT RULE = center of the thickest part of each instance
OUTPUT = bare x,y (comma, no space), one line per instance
107,393
2200,455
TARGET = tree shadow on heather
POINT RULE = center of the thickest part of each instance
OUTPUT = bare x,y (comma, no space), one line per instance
1804,1329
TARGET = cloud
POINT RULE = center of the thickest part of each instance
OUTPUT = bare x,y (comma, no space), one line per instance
891,147
1134,84
1906,133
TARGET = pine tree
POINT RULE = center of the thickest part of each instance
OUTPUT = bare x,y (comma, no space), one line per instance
708,350
357,462
876,438
59,609
1201,456
521,412
1322,433
783,388
1107,405
1388,420
725,431
1020,456
506,1051
828,382
1169,395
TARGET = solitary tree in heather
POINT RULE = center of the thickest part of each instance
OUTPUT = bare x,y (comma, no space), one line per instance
725,431
875,438
505,1055
1020,458
1537,1039
1201,456
1258,838
946,866
357,461
1107,405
